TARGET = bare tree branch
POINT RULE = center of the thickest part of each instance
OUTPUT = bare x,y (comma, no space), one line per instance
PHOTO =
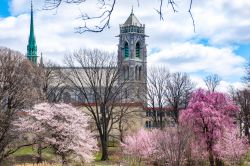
212,82
178,90
156,90
102,21
94,73
18,90
191,15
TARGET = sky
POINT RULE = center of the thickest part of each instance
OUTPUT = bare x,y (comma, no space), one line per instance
220,45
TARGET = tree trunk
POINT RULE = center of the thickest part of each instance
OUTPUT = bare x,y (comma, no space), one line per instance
246,131
211,159
161,120
219,162
1,160
121,131
64,161
121,135
39,152
104,144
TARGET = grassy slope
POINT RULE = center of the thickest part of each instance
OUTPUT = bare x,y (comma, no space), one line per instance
27,155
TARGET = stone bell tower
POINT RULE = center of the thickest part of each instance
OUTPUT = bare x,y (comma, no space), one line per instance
132,58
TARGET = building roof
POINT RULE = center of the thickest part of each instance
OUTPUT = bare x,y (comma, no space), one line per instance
132,20
32,39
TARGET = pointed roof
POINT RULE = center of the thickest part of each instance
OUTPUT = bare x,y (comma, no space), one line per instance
32,47
132,20
32,39
41,64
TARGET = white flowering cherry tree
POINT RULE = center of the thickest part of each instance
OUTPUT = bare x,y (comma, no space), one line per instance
62,127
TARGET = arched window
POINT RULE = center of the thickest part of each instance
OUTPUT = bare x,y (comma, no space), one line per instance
66,97
126,72
52,97
81,97
140,73
126,50
126,94
136,73
138,50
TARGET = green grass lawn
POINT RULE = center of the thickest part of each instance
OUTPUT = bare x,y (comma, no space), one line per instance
47,153
28,155
24,151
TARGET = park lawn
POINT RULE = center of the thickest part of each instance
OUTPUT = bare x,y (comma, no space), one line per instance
27,155
115,157
47,153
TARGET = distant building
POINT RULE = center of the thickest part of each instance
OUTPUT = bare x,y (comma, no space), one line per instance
132,58
132,61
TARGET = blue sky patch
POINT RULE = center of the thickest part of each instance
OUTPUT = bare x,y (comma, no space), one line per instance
243,50
4,8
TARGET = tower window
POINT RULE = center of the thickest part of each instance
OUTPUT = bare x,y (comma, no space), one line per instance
126,72
66,97
126,94
136,73
126,50
140,73
138,50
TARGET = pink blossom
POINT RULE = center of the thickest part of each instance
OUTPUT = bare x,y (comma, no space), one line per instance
62,126
139,144
231,147
208,114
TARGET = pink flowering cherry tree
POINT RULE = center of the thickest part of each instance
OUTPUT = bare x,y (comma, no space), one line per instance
139,145
164,147
232,146
209,114
61,126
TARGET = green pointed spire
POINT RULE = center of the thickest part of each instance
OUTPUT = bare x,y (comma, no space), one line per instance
32,47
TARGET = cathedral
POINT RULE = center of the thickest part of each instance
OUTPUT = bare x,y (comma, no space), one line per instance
132,54
132,62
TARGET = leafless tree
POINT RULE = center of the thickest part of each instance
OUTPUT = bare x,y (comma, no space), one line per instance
212,82
242,98
52,82
126,116
106,7
173,146
157,101
246,78
17,92
94,73
178,90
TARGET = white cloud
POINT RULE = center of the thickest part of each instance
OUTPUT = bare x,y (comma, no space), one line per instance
191,57
224,86
223,23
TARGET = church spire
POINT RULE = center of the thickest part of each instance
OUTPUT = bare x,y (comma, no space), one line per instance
32,47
